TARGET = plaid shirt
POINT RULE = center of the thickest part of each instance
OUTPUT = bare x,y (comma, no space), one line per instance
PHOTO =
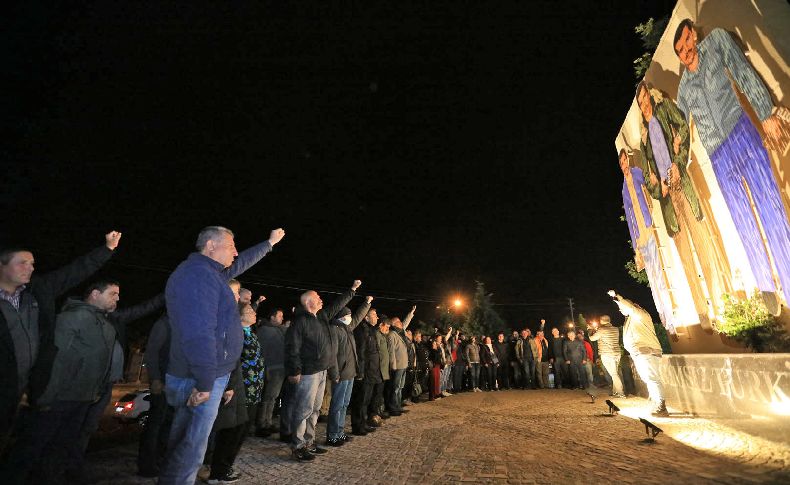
13,298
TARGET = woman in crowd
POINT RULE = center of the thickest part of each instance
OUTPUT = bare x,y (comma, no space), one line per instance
472,352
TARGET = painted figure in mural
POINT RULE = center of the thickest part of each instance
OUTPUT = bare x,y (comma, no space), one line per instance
735,148
665,145
643,240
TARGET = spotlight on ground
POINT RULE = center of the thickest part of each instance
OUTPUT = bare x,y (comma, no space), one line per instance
613,409
650,429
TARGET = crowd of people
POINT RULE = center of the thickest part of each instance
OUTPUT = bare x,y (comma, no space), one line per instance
219,370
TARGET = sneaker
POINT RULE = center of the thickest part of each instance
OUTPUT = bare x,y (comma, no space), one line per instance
302,454
445,394
346,438
335,442
229,477
316,450
619,395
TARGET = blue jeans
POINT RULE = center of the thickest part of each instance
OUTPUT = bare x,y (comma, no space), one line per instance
397,381
304,406
341,396
474,369
190,429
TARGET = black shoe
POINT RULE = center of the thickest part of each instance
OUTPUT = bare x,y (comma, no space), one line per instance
370,429
395,413
229,477
346,438
335,442
317,450
285,438
263,432
302,454
384,415
372,424
404,411
360,432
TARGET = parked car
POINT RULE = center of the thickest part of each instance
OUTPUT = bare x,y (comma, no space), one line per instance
133,407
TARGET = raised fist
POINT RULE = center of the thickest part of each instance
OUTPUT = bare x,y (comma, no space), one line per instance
112,239
276,236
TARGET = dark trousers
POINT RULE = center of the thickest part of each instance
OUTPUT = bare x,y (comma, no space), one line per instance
408,385
272,387
503,377
515,367
528,370
489,372
153,439
285,408
577,374
376,405
48,444
561,376
360,401
458,376
227,443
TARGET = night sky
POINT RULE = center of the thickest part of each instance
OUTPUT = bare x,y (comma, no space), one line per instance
418,147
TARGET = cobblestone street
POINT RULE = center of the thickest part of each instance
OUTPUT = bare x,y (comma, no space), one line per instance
508,437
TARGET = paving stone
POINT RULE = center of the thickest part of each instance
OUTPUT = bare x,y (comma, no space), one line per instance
514,437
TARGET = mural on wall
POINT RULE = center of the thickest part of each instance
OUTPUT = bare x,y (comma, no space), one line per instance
713,140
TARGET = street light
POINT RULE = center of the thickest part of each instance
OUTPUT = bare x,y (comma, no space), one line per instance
458,303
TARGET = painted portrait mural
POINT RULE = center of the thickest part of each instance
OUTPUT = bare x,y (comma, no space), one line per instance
707,141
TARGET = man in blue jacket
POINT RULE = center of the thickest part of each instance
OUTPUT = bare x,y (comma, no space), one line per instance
205,345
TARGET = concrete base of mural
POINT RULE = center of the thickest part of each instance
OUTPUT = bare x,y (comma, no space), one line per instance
726,385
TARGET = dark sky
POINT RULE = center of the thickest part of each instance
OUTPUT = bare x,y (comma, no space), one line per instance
419,147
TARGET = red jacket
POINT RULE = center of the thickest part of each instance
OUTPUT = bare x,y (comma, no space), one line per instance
589,350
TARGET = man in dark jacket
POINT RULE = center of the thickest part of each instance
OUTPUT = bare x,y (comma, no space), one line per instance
557,359
502,351
311,358
575,356
87,360
27,322
368,373
271,335
206,343
119,319
153,439
343,326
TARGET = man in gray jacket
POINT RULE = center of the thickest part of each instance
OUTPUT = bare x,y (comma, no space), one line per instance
399,362
271,335
87,359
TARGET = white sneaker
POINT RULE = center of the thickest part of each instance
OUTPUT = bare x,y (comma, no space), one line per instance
445,393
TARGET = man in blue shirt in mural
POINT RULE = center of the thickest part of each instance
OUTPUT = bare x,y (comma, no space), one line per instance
734,146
